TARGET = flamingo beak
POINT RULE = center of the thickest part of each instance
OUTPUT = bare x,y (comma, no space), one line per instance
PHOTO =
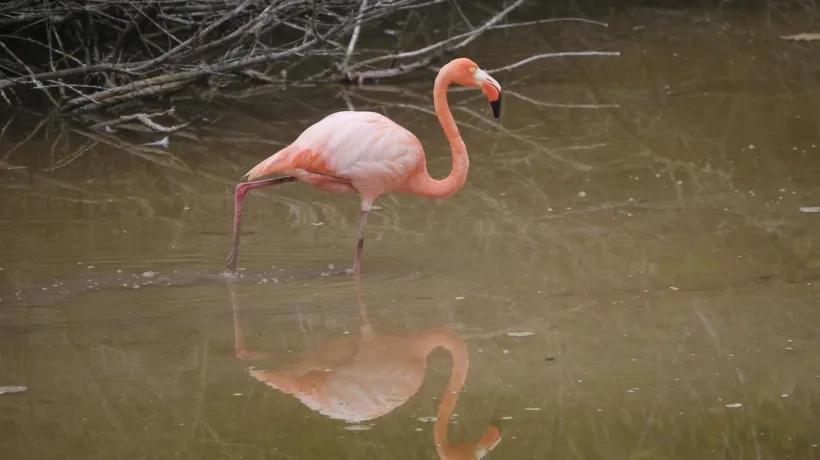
492,89
496,106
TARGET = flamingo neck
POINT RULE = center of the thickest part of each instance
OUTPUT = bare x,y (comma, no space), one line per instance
461,362
425,185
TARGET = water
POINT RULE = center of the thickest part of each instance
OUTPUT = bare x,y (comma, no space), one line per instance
627,266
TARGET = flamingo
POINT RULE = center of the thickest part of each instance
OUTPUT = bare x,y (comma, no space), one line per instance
369,154
364,378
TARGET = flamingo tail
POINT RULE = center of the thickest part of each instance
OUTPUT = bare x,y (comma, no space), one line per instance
278,162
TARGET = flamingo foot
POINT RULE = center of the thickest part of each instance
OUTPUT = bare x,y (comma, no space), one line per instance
250,355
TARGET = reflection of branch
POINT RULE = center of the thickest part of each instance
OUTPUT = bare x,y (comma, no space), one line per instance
73,157
31,134
147,120
150,154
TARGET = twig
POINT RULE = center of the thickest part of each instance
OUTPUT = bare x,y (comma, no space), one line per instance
566,106
436,46
28,69
356,30
551,20
515,65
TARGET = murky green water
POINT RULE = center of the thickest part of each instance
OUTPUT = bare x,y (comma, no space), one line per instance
626,274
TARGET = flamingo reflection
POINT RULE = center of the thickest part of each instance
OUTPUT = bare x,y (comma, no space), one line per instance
362,378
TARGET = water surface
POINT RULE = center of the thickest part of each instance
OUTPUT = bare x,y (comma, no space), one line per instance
627,268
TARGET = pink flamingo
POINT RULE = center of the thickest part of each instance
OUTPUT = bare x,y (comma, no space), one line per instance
369,154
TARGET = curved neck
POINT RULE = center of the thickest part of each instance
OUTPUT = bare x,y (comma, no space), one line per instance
425,185
460,363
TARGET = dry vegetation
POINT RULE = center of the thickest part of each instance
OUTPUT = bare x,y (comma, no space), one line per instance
114,57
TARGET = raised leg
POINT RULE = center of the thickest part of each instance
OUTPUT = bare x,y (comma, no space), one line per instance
239,196
357,262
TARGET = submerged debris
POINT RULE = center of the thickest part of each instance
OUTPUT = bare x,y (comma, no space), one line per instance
164,142
12,389
803,37
809,209
358,427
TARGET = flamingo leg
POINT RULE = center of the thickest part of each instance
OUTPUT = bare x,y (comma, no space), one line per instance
239,196
238,336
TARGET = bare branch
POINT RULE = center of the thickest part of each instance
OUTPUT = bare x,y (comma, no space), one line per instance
105,57
356,30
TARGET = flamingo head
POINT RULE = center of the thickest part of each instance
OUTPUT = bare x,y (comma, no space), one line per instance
468,73
472,450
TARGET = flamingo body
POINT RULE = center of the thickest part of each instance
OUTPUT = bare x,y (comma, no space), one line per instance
350,152
364,382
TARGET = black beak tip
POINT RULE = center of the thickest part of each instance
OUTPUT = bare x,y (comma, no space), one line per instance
496,106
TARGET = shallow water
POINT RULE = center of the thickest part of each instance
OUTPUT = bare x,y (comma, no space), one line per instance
628,267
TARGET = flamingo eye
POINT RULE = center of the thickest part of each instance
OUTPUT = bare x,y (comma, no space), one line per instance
473,70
